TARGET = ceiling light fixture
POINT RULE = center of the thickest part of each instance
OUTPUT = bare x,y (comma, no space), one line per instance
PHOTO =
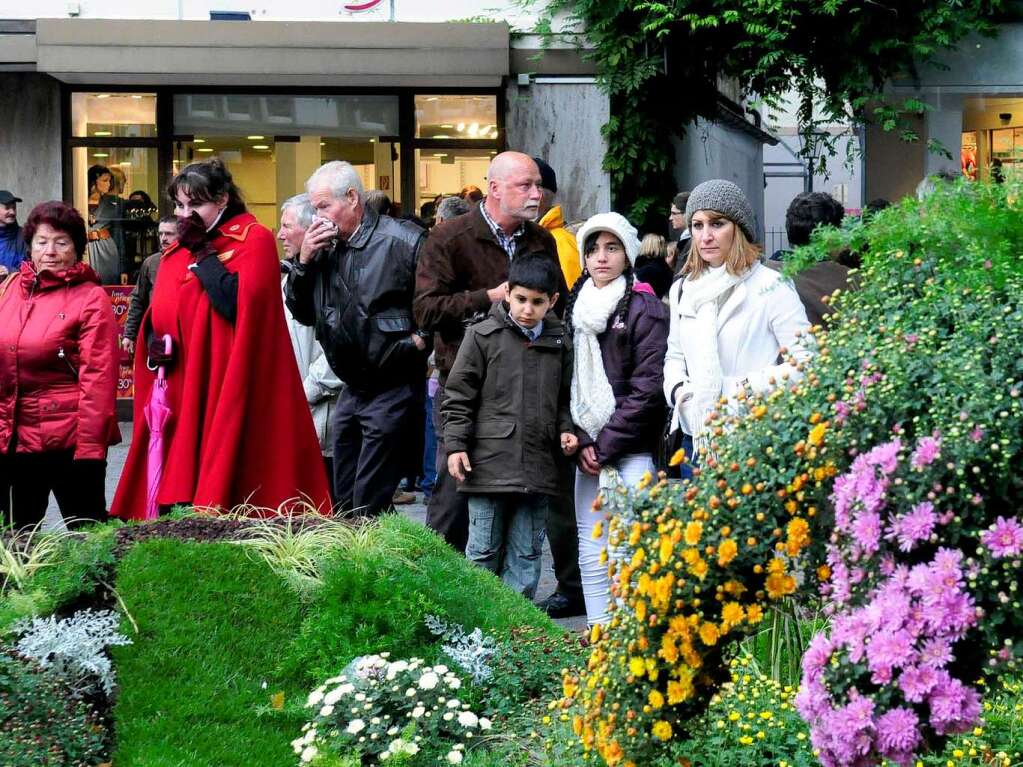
204,149
198,141
255,138
260,146
102,133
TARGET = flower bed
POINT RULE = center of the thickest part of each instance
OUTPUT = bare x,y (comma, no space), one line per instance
882,472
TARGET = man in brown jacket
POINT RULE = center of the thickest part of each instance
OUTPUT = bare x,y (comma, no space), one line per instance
462,271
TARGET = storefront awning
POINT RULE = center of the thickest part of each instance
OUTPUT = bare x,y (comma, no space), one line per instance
267,53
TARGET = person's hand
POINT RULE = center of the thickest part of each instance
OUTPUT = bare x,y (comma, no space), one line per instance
128,345
569,443
588,461
157,355
419,341
499,293
192,234
458,465
317,237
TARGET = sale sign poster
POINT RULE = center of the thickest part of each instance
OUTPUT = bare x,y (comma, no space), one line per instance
120,299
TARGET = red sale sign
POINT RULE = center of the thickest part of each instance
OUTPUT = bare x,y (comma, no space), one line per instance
120,299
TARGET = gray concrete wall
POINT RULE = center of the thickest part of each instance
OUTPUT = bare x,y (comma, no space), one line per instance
30,148
710,151
561,123
893,167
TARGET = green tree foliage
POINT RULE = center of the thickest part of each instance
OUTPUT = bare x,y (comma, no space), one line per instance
660,63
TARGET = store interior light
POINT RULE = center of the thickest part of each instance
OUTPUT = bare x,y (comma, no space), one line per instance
447,127
100,154
102,133
442,135
255,138
260,146
440,154
461,127
198,141
372,141
432,98
205,149
136,96
474,129
323,143
125,163
102,95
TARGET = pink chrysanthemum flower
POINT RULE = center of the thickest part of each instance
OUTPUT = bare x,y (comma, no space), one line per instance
1004,538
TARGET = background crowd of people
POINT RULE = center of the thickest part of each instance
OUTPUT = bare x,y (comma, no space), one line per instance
508,363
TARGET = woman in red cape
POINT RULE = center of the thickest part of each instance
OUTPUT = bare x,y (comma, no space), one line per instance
239,430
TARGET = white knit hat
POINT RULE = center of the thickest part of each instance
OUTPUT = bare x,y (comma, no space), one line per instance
615,223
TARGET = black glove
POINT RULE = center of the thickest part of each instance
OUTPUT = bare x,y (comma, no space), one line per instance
192,236
157,355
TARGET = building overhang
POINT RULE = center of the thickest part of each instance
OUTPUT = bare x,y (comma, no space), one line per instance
258,53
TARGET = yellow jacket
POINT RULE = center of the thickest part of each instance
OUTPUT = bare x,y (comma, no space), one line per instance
568,251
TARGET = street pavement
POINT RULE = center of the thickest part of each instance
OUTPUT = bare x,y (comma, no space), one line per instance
414,511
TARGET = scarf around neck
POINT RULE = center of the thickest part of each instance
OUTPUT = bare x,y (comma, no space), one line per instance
703,297
593,401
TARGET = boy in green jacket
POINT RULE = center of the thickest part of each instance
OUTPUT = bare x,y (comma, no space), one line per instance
506,415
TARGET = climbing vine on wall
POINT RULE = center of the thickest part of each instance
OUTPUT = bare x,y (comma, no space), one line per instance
660,63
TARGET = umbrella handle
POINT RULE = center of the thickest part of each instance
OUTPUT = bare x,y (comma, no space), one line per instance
168,342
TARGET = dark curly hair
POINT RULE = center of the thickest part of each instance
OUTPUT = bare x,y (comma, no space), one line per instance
808,211
95,172
621,312
207,181
61,217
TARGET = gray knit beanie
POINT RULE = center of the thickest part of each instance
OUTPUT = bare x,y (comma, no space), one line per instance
726,198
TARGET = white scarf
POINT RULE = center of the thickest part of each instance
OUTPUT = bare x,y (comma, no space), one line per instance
593,401
704,297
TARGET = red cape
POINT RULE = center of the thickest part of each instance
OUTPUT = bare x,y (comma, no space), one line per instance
240,430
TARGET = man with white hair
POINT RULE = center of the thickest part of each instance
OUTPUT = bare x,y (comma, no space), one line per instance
463,271
353,281
321,385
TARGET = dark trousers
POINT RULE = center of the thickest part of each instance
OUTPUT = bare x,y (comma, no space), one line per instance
563,534
27,479
369,457
448,511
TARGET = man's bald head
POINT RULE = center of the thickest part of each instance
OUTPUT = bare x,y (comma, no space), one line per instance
513,184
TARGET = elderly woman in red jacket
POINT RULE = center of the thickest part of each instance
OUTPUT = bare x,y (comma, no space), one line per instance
58,375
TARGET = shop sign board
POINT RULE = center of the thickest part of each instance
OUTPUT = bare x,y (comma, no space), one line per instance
120,299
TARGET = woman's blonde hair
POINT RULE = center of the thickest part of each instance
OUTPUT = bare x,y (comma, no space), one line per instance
652,246
741,258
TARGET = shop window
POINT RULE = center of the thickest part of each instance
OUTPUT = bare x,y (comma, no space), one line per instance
116,190
117,115
446,172
1007,152
467,118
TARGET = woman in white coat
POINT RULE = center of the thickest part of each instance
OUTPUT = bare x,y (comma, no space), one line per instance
730,317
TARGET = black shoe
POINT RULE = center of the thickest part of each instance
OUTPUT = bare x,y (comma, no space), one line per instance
559,605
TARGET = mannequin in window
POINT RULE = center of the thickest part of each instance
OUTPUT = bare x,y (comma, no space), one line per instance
106,234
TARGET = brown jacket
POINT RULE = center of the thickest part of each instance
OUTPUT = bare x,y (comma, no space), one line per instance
506,403
814,283
459,263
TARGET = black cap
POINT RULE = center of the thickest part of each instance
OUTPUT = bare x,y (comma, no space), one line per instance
548,179
6,198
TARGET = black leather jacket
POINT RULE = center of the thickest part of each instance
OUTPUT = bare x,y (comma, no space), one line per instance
359,299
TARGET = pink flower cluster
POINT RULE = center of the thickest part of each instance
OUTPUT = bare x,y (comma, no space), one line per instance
902,639
1004,538
880,685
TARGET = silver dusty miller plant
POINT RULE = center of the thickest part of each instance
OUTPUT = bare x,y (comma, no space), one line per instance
73,648
470,652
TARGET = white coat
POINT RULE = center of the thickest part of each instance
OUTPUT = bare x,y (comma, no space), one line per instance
762,315
321,385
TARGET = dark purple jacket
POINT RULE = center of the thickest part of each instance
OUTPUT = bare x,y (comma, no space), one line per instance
633,355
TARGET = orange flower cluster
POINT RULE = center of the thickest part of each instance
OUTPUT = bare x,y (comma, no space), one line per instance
693,565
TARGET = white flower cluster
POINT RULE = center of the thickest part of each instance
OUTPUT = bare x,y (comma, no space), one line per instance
471,652
388,708
73,648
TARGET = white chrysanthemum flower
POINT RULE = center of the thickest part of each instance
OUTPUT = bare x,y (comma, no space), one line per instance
314,698
393,731
468,719
355,727
448,716
429,680
360,696
454,703
454,757
326,710
485,724
441,669
410,693
309,754
418,711
454,682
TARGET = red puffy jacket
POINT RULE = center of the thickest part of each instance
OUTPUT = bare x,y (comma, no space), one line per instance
58,363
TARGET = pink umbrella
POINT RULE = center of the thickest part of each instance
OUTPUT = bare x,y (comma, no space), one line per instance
157,412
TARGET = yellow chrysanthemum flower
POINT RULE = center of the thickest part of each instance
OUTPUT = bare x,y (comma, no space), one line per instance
817,434
693,532
727,552
677,458
661,730
709,634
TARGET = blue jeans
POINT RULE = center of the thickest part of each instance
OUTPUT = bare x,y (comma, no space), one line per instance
429,452
506,537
